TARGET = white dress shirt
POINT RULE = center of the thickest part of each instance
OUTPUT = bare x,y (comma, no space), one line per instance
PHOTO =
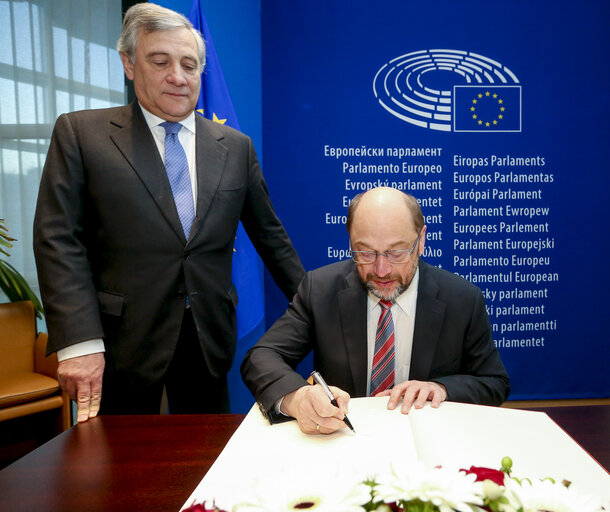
403,315
186,136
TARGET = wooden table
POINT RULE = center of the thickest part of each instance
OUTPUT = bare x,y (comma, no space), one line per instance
122,463
132,463
589,426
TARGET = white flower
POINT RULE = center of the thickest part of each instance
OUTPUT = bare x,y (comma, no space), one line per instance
491,489
303,491
447,490
544,495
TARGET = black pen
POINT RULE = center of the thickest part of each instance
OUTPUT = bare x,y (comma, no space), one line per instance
319,380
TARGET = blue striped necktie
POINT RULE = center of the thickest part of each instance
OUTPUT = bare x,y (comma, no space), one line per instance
177,169
382,373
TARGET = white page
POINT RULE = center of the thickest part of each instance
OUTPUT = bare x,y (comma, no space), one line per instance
259,450
454,436
463,435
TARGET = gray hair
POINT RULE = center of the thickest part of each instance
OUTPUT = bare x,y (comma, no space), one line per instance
153,18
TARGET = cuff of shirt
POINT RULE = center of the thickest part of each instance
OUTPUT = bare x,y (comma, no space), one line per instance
84,348
277,407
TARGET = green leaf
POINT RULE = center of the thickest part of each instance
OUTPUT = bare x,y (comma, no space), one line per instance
16,287
11,286
12,283
5,239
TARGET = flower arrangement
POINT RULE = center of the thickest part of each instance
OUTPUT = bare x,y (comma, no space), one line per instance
418,489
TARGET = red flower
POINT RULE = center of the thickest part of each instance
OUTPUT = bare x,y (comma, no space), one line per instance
200,507
486,474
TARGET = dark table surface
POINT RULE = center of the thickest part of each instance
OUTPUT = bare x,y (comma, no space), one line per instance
132,463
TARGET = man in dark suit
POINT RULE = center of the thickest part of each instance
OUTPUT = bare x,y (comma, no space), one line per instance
134,232
385,324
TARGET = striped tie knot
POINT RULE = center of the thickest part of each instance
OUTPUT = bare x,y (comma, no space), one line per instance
171,127
386,304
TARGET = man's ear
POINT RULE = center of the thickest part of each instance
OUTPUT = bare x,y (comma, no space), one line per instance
422,240
127,65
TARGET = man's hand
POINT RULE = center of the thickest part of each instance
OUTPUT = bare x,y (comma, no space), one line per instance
313,411
81,378
415,392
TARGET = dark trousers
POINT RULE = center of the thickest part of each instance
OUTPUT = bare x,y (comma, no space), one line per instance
190,387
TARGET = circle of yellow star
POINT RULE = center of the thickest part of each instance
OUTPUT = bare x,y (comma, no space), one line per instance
483,122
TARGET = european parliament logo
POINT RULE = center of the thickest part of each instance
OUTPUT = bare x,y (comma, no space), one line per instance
450,90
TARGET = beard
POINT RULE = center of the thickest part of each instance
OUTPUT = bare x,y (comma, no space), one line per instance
381,295
403,284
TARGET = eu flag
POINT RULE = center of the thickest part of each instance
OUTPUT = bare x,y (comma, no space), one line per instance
487,108
215,104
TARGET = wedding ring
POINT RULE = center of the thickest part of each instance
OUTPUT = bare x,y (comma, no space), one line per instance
318,428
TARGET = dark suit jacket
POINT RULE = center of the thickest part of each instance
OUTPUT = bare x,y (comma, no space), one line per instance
112,258
452,339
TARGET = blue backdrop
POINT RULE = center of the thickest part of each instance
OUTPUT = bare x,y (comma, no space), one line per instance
354,90
496,118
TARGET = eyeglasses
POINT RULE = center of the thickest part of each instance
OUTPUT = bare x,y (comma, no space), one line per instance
397,256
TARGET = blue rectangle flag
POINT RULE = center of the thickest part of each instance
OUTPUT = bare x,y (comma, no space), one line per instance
215,104
487,108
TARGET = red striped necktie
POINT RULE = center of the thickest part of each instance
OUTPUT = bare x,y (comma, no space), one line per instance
382,374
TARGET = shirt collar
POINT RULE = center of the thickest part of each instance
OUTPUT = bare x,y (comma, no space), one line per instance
152,120
405,300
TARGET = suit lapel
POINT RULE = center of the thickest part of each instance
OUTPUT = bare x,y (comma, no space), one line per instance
135,141
428,322
211,157
352,313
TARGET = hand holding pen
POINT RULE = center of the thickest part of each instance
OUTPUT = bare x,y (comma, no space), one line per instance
314,410
319,380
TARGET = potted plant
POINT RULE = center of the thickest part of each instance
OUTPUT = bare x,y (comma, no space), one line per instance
12,283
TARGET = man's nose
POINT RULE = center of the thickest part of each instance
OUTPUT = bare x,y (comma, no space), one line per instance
176,75
382,266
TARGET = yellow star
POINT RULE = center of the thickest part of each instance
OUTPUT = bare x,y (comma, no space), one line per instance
487,124
500,102
472,109
487,93
474,101
495,96
502,109
199,111
480,122
216,120
480,95
474,116
500,116
495,122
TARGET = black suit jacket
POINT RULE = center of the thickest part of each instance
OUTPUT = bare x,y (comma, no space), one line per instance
113,261
452,338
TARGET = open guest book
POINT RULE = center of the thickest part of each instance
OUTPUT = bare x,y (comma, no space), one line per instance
454,436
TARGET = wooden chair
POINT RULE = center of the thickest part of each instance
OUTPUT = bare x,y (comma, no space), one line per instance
29,391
